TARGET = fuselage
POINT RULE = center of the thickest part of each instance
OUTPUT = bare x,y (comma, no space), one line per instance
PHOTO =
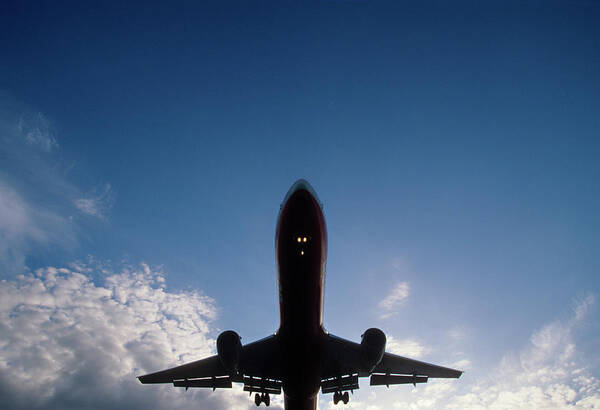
301,251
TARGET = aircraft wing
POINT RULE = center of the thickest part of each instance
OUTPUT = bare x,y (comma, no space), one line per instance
208,367
395,364
342,365
258,360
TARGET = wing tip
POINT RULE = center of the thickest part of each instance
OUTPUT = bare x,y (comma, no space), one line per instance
454,374
149,379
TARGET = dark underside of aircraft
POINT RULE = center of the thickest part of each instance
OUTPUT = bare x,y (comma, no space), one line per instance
301,358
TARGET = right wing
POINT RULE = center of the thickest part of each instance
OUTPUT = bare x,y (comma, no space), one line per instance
258,369
394,364
342,365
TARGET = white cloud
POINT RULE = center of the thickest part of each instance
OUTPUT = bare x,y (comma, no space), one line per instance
69,343
97,203
548,373
397,295
462,364
405,347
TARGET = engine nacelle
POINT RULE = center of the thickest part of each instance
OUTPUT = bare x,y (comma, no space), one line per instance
372,347
229,349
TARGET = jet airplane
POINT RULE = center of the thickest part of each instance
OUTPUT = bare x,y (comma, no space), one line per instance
301,358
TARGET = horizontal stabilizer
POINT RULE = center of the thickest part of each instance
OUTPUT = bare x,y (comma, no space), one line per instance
386,380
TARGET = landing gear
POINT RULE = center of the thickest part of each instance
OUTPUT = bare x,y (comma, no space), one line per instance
338,396
262,398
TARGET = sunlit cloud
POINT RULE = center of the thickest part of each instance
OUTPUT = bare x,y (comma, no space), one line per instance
69,343
548,373
462,364
405,347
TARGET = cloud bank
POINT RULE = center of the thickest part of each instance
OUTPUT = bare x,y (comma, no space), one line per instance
69,343
548,373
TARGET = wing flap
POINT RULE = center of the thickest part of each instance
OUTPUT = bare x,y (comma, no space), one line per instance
385,380
212,382
340,384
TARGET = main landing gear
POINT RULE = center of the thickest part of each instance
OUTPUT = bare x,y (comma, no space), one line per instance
338,396
262,398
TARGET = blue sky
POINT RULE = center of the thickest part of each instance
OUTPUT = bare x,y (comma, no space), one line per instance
455,149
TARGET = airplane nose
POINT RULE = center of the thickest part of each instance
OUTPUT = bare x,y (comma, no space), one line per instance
301,219
301,185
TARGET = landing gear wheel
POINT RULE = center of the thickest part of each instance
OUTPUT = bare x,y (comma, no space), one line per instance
345,397
336,397
266,399
257,399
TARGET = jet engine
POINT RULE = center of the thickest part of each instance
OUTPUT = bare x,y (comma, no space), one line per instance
229,349
372,348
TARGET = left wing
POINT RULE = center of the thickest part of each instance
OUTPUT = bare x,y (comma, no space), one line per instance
342,365
258,369
209,367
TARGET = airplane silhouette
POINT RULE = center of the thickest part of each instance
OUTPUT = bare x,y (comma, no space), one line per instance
301,358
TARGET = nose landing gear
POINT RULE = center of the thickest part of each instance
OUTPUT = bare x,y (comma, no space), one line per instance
262,398
338,396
